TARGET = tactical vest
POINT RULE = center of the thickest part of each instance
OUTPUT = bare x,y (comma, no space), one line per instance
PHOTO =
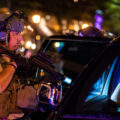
8,98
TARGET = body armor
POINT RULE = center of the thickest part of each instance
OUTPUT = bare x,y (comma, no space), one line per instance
8,98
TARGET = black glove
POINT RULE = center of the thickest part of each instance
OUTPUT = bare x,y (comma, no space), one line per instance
21,61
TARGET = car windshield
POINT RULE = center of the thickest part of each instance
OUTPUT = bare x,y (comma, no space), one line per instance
70,57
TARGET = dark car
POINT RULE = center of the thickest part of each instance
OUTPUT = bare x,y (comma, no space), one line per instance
95,95
74,53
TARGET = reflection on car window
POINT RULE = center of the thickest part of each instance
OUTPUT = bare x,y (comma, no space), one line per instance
102,85
115,89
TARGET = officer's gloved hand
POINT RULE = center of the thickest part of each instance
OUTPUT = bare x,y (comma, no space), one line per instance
21,61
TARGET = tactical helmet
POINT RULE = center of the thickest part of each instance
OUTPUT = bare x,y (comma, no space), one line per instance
12,23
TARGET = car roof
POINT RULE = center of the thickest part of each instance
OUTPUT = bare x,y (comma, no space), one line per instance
81,39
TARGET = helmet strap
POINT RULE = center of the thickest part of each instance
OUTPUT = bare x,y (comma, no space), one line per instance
8,38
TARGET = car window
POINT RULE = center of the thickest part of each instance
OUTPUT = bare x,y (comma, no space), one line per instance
115,87
72,56
101,86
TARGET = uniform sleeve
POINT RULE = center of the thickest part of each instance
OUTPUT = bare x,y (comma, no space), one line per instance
2,63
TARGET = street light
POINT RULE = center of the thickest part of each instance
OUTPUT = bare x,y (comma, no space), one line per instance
36,18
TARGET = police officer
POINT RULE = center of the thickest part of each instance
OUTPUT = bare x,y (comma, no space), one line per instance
10,38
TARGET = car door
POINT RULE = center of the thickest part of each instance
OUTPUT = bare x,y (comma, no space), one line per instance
74,104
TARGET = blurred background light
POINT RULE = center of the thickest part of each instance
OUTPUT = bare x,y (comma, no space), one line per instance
28,54
22,49
37,37
75,0
110,34
98,18
44,28
33,46
30,28
47,17
98,25
25,27
57,28
61,46
28,44
36,18
56,44
22,42
100,12
85,25
76,27
67,80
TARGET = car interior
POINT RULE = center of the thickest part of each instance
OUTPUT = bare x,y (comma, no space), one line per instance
74,53
104,94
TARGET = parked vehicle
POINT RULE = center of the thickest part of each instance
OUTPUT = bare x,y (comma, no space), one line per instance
75,52
96,93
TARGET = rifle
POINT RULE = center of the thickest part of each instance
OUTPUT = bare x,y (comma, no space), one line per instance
34,60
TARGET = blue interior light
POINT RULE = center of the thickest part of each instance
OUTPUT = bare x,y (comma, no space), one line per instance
67,80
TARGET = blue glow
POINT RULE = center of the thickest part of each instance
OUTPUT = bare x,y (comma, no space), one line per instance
67,80
102,85
80,34
99,12
51,100
52,97
118,109
98,18
61,91
98,25
116,76
105,90
97,87
116,83
61,46
98,21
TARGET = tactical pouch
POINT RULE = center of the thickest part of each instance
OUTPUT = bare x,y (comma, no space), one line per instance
4,104
27,98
